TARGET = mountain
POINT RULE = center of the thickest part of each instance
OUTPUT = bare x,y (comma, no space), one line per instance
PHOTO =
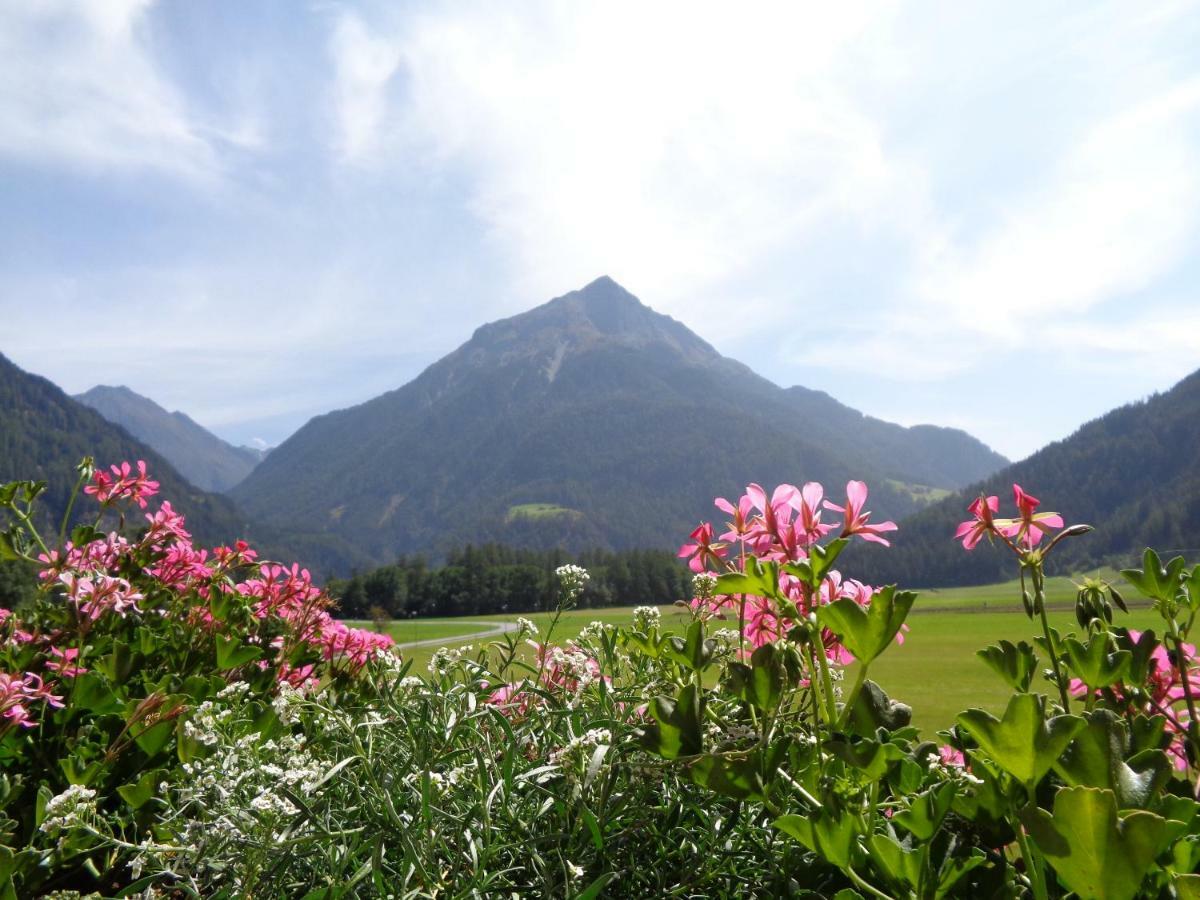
200,456
1134,474
588,421
44,434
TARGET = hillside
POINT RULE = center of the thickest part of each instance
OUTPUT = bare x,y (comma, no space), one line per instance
199,455
589,421
44,433
1134,473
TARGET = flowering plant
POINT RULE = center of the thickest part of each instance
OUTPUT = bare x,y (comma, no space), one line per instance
103,675
1091,793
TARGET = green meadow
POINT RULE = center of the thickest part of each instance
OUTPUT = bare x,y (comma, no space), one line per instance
935,670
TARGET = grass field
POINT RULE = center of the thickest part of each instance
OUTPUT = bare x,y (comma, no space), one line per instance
538,511
935,671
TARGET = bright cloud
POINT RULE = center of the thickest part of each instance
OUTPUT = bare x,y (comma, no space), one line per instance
882,201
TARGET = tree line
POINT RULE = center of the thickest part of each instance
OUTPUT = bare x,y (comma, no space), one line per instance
495,578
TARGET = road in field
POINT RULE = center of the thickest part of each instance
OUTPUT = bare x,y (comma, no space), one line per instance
486,629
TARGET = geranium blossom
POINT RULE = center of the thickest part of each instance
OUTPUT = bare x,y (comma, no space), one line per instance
702,551
122,484
857,521
1032,525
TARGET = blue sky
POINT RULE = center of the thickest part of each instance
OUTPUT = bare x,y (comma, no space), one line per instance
975,214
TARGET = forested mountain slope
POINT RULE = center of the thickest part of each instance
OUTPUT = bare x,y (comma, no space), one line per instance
199,455
590,421
1134,474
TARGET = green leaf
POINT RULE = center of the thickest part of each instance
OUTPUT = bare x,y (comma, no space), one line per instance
761,683
737,778
872,758
1096,663
897,863
952,870
1024,743
868,632
1015,663
593,890
138,793
873,709
692,652
1187,887
677,729
828,833
231,653
761,579
1095,853
926,811
1099,757
92,692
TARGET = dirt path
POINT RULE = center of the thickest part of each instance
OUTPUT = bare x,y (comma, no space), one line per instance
487,630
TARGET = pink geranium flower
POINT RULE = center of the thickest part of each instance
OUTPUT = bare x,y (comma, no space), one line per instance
983,522
702,550
1032,525
122,484
857,520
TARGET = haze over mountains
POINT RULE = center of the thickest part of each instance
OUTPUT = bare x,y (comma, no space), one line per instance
200,456
588,421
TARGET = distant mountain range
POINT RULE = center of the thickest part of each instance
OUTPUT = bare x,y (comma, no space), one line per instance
594,422
589,421
44,433
200,456
1134,474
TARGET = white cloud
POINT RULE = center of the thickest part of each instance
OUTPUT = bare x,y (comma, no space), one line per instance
668,145
364,64
1118,212
79,85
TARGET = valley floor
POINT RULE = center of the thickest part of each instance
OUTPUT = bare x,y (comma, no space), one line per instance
935,671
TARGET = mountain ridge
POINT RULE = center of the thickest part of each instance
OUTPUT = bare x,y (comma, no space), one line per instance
1132,473
200,456
592,403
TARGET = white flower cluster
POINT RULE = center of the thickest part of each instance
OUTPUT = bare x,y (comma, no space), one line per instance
238,794
728,640
572,666
445,658
204,725
571,581
593,630
526,626
646,618
73,807
704,585
580,747
439,782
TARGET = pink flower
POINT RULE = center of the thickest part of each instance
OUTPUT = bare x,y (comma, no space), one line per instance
63,662
1033,525
122,484
973,530
739,525
17,691
703,550
857,520
807,502
513,699
95,595
951,757
165,524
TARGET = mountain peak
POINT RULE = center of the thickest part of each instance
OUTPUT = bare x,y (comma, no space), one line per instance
601,312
